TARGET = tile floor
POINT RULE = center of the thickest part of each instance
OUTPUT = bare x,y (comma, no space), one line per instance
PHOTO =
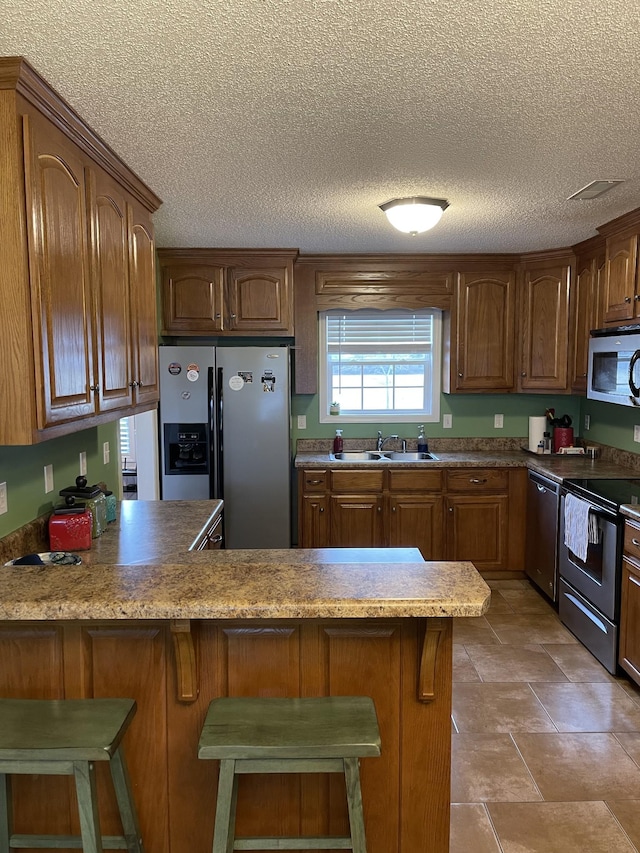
546,743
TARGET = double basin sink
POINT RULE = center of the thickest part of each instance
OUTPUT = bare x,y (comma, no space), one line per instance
382,456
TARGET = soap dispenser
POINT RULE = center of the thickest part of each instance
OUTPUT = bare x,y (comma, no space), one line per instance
338,443
423,447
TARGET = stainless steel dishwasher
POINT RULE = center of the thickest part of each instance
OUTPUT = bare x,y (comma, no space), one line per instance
541,560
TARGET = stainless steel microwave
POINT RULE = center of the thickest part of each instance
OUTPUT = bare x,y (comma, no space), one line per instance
614,365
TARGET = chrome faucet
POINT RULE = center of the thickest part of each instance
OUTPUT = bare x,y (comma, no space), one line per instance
382,440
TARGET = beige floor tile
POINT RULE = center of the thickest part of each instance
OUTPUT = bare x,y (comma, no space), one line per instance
463,669
525,601
529,628
630,742
471,830
498,708
566,827
512,583
577,663
591,707
628,813
630,688
568,767
514,663
498,604
489,768
474,629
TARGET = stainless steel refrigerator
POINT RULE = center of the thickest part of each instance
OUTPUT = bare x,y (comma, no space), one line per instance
224,433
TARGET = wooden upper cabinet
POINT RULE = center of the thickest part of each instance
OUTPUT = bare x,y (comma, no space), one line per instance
544,318
482,333
236,292
192,298
585,312
60,292
68,248
621,289
144,319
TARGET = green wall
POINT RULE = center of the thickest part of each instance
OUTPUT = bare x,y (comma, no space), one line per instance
22,469
472,415
611,424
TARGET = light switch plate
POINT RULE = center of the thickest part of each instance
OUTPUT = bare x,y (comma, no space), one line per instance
636,433
106,453
447,421
587,421
302,421
48,479
83,464
498,421
3,498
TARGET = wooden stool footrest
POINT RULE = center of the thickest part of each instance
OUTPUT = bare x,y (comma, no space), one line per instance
289,765
64,842
308,843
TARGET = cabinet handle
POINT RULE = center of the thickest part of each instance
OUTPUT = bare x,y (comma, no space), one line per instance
313,482
217,538
450,509
627,299
379,509
461,375
393,509
321,509
635,542
637,297
523,373
634,580
476,481
233,316
541,489
134,384
217,316
140,383
94,387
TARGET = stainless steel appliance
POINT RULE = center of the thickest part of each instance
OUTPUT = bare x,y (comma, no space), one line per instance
224,424
543,501
614,373
589,589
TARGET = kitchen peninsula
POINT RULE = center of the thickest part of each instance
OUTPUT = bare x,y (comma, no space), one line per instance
144,616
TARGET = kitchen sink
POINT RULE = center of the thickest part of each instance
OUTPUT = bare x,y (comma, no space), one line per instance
382,456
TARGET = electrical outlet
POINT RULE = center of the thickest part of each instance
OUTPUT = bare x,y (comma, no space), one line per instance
106,452
636,433
3,498
447,421
587,421
498,421
302,421
83,464
48,479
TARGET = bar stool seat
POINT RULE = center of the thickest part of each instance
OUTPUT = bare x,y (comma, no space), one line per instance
318,735
66,737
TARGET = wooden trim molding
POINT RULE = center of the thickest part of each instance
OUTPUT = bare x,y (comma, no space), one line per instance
428,659
186,667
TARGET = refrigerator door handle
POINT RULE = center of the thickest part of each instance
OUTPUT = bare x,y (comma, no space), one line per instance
219,444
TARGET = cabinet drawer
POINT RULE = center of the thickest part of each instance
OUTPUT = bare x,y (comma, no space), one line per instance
632,541
470,480
413,480
314,481
357,481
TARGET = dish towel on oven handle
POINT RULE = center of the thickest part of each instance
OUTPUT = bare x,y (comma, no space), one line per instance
580,526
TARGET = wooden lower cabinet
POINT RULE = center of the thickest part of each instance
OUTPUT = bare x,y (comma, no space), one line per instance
406,791
475,514
629,648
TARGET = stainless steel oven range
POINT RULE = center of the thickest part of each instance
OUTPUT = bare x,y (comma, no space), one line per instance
589,589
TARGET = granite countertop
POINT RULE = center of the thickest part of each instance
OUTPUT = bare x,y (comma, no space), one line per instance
557,468
142,568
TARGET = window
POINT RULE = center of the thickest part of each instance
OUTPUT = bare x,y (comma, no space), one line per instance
380,365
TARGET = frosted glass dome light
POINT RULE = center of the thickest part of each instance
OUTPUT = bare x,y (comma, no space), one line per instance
414,215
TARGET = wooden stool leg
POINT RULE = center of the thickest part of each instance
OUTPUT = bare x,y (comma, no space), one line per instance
225,826
126,805
5,812
85,777
354,802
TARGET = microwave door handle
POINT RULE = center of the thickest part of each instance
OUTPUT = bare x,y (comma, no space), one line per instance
632,363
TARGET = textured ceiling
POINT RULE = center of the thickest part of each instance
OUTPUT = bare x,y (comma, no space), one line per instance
285,123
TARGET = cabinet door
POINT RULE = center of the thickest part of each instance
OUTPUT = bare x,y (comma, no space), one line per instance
415,521
110,286
545,329
314,521
484,333
142,277
478,529
620,278
356,521
60,289
629,652
584,305
192,298
260,300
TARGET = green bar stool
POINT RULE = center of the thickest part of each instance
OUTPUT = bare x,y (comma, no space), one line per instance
65,737
323,735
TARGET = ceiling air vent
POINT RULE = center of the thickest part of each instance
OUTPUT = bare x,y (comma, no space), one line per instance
593,190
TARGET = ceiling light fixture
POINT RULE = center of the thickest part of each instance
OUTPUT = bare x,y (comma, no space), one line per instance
414,215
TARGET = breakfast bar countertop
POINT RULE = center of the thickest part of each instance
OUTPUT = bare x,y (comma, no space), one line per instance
142,568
